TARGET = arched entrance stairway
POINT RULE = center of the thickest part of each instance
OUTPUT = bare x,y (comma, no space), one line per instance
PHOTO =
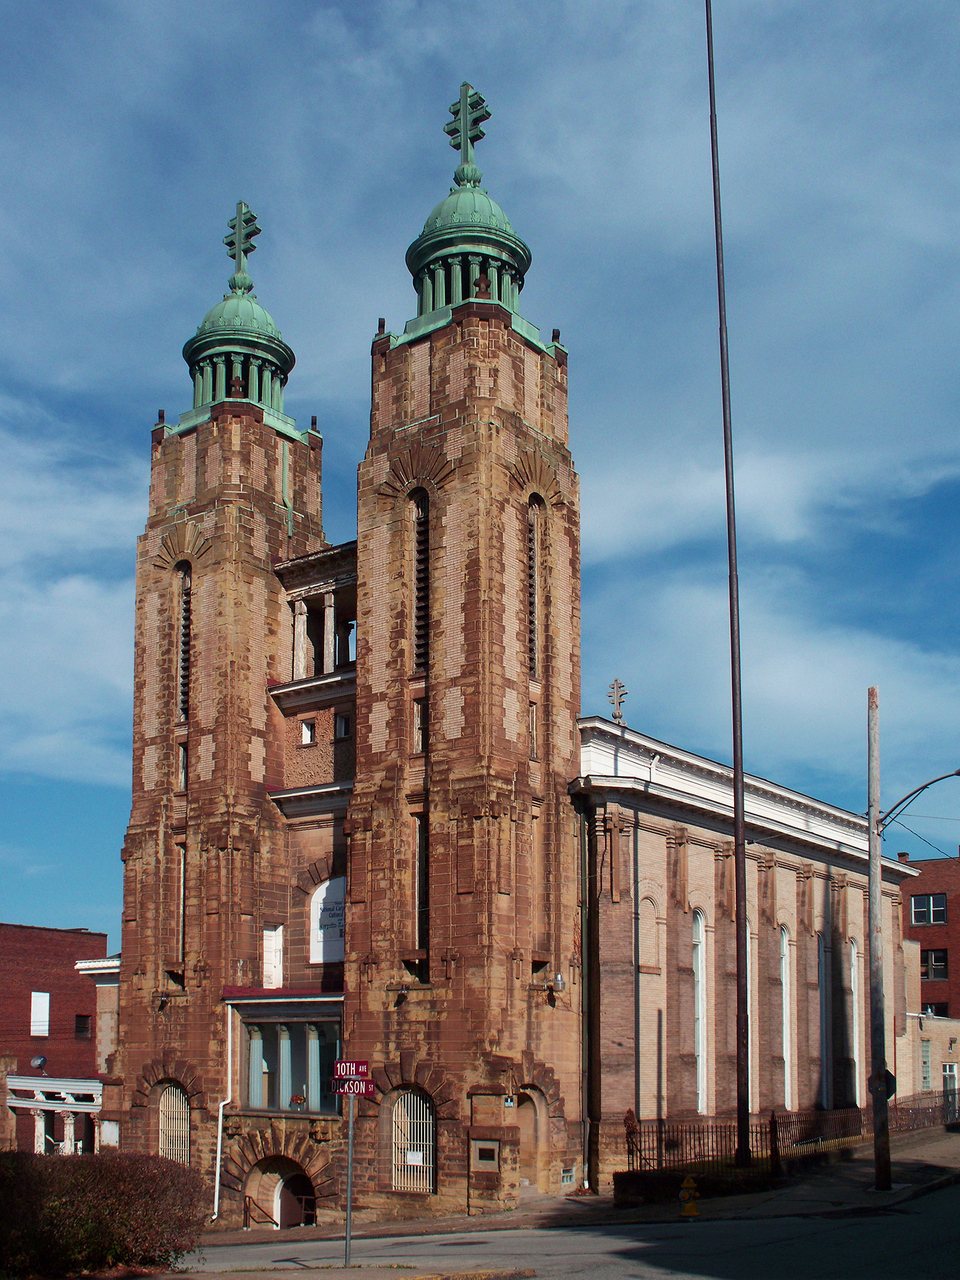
278,1193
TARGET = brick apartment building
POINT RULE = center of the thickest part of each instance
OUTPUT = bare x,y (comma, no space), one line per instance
48,1009
931,918
352,831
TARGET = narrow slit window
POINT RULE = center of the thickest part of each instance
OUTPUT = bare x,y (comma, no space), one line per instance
183,642
419,725
421,581
273,955
534,537
422,887
181,940
341,726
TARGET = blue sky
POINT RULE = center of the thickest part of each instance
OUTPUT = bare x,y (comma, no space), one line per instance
129,130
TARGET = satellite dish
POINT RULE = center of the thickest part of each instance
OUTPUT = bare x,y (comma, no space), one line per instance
39,1062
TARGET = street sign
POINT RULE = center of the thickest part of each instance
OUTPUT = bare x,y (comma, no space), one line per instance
353,1079
344,1069
360,1088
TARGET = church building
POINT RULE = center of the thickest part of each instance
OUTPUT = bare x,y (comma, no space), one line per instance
351,834
364,828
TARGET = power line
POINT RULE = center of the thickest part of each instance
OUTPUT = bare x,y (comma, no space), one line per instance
923,838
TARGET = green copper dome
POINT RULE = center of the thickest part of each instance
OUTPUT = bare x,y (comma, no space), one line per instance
467,249
237,352
467,206
242,313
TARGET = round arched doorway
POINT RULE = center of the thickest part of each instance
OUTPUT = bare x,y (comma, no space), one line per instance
278,1193
528,1122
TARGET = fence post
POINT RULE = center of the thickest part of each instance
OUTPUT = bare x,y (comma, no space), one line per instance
776,1168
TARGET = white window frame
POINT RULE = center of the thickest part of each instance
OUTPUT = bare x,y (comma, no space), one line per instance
273,956
927,899
40,1013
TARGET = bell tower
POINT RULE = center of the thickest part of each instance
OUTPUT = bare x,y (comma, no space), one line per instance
463,967
235,489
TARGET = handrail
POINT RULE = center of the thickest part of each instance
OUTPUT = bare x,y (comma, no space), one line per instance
249,1205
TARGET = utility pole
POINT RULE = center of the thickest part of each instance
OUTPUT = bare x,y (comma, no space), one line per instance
739,826
878,1049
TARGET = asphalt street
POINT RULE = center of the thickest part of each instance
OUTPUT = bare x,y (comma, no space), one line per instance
919,1239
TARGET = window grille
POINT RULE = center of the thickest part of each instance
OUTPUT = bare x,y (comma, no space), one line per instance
183,642
175,1124
414,1143
421,582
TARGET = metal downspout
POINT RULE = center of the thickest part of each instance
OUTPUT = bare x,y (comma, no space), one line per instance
584,1007
228,1099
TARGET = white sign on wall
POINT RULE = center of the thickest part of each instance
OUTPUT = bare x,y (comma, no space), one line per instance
327,918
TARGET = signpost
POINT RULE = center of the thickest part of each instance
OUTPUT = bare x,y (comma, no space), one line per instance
353,1079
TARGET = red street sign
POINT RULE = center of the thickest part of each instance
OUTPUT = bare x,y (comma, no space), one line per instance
344,1070
362,1088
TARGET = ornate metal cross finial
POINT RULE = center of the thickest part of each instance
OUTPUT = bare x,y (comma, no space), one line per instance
240,245
616,695
464,130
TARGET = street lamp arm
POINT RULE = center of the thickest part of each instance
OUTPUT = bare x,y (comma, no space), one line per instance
895,810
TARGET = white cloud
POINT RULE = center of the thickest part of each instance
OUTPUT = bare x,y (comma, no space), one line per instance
804,684
66,636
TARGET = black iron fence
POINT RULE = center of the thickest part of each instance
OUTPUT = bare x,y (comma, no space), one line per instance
711,1142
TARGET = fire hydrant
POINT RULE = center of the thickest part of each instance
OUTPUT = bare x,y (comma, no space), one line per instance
689,1195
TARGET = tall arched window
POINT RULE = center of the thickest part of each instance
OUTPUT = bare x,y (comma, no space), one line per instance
534,553
855,998
174,1136
700,1008
421,579
786,1018
414,1142
183,641
752,1082
823,991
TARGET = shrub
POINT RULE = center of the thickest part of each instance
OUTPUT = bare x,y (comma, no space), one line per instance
64,1214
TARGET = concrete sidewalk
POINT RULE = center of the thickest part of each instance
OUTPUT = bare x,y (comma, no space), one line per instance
923,1161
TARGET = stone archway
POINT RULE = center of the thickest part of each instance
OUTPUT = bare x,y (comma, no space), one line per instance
278,1191
282,1153
540,1119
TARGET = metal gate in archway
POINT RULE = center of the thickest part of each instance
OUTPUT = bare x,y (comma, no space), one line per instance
414,1143
175,1124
